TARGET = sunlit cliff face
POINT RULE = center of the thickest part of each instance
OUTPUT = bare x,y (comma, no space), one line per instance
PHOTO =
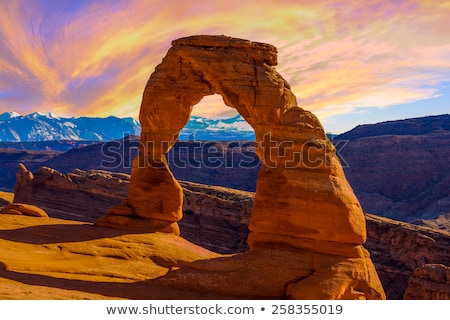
94,58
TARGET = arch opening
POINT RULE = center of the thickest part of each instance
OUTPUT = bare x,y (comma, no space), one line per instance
212,120
217,168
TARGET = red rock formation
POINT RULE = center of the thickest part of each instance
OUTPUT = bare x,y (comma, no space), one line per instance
429,282
24,209
80,195
302,200
241,71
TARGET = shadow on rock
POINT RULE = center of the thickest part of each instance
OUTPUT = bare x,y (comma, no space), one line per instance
58,233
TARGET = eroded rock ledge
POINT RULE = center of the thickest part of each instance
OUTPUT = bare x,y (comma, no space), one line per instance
429,282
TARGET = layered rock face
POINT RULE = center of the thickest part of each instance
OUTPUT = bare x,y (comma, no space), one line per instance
216,218
429,282
314,208
399,169
80,195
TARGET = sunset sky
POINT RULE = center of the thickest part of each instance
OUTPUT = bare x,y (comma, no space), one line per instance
349,62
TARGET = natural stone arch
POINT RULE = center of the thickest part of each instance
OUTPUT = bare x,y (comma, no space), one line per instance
302,199
303,203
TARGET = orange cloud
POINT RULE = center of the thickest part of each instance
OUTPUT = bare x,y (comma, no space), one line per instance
94,58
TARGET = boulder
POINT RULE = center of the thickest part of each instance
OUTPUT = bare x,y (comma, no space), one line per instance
24,209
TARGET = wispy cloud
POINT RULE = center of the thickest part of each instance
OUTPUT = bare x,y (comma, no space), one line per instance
94,58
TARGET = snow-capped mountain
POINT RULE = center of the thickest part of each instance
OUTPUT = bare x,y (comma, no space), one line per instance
43,127
47,126
199,128
8,115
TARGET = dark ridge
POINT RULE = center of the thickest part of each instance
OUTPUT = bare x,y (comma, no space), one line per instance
413,126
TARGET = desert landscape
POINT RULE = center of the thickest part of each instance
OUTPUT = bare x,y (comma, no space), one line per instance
73,230
188,152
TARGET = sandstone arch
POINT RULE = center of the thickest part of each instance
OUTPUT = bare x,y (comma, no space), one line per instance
302,195
303,199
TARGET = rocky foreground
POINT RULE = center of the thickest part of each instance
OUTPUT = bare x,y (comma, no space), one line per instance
215,218
48,258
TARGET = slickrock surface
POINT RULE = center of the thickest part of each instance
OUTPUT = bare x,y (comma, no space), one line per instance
48,258
429,282
314,210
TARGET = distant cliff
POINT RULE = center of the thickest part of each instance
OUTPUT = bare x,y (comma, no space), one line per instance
231,164
217,218
400,169
407,127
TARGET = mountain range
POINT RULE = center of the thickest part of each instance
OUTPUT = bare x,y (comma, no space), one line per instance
50,127
44,127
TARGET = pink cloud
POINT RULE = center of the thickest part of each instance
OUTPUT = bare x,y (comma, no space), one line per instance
338,57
